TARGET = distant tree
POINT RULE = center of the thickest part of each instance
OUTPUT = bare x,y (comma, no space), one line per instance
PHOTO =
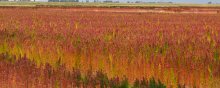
63,0
209,2
53,0
3,0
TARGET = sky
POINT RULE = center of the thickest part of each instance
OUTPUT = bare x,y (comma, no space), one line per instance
176,1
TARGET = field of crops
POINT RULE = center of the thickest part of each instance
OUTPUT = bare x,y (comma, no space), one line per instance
77,47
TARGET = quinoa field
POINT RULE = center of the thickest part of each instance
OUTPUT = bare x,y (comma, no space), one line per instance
54,47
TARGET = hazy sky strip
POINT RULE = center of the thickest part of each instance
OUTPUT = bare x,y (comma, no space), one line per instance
176,1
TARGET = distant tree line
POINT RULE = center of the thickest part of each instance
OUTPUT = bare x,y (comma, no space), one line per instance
18,0
63,0
3,0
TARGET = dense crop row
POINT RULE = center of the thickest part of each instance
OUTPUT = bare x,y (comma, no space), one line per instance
23,73
174,48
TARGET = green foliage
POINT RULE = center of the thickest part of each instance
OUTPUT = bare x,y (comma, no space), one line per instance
148,51
164,48
103,79
173,78
216,55
144,84
8,57
3,47
77,42
108,37
124,83
136,84
140,84
154,84
58,63
161,85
